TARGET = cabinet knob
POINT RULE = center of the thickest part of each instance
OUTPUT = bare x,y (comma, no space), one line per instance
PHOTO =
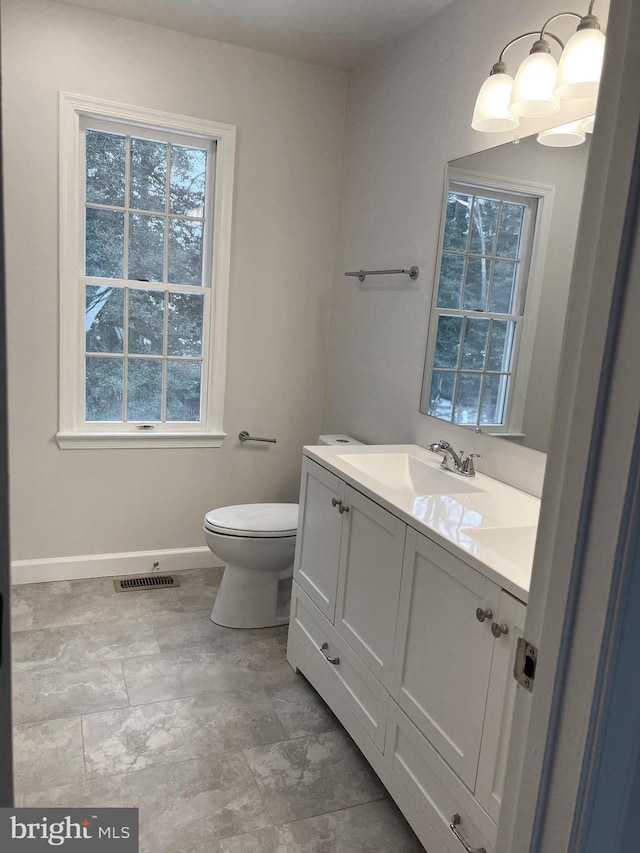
499,630
481,614
336,502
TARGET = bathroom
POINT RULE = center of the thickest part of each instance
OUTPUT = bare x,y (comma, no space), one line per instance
340,152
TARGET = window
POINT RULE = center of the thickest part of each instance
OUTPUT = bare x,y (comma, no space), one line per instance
478,310
145,218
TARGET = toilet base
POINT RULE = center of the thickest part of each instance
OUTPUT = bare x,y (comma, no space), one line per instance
249,598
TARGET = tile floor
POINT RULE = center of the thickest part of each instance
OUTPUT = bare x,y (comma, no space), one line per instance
138,699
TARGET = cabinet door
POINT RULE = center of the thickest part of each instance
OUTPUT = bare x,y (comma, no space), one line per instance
369,581
443,654
318,540
500,702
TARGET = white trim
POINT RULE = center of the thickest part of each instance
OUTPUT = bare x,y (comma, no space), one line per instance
545,194
123,440
111,565
72,108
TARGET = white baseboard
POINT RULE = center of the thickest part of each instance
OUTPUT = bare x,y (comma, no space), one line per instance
111,565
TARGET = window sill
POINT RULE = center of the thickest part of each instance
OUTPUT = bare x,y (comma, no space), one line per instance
124,440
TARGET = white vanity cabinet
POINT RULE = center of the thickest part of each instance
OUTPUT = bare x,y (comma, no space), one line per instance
413,649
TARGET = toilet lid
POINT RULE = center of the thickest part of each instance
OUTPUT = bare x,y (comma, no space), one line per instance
263,520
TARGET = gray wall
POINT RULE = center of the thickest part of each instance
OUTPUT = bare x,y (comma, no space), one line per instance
408,113
290,119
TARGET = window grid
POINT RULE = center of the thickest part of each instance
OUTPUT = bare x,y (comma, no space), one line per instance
166,287
513,319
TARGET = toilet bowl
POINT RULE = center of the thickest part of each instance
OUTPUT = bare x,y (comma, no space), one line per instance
257,543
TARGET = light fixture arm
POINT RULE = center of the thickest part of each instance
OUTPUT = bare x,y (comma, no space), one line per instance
553,18
500,66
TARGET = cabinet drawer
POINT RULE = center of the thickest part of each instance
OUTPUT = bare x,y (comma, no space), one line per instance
434,786
357,687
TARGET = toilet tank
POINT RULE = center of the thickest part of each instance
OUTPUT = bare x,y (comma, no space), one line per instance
336,438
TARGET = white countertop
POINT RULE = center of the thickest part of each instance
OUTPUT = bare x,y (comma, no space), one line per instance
486,523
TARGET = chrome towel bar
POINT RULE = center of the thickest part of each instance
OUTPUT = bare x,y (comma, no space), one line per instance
244,436
412,272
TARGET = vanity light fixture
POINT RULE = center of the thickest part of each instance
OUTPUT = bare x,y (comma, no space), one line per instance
564,135
581,61
493,111
587,124
533,87
540,83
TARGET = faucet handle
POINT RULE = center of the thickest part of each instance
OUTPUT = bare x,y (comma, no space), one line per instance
468,468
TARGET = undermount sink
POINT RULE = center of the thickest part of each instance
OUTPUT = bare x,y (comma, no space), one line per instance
402,472
515,544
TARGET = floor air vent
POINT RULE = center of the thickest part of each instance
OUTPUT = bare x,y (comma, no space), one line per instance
146,582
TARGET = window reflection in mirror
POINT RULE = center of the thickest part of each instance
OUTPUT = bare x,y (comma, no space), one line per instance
509,222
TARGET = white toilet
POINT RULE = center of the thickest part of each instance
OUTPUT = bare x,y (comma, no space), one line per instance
257,543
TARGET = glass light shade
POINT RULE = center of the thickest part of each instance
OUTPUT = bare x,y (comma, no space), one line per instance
587,124
491,113
563,136
532,93
580,65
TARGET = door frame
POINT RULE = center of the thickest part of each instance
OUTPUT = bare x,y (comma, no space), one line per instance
588,469
6,754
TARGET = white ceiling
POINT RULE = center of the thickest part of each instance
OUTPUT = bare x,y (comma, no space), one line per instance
337,33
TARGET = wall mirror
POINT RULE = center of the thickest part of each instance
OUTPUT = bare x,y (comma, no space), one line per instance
507,240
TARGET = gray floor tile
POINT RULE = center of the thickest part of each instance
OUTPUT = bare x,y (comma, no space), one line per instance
21,608
371,828
273,839
74,645
174,675
202,695
312,775
300,709
47,694
229,719
194,629
212,847
198,588
89,601
182,806
129,739
48,754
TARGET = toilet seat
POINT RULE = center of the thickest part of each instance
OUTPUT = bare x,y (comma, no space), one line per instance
259,521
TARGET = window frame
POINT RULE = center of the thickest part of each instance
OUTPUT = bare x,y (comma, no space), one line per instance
74,431
525,329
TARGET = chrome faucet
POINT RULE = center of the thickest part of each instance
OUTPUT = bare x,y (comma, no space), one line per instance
452,461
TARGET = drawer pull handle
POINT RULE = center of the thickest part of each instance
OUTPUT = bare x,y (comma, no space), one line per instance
481,614
499,630
324,649
453,826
